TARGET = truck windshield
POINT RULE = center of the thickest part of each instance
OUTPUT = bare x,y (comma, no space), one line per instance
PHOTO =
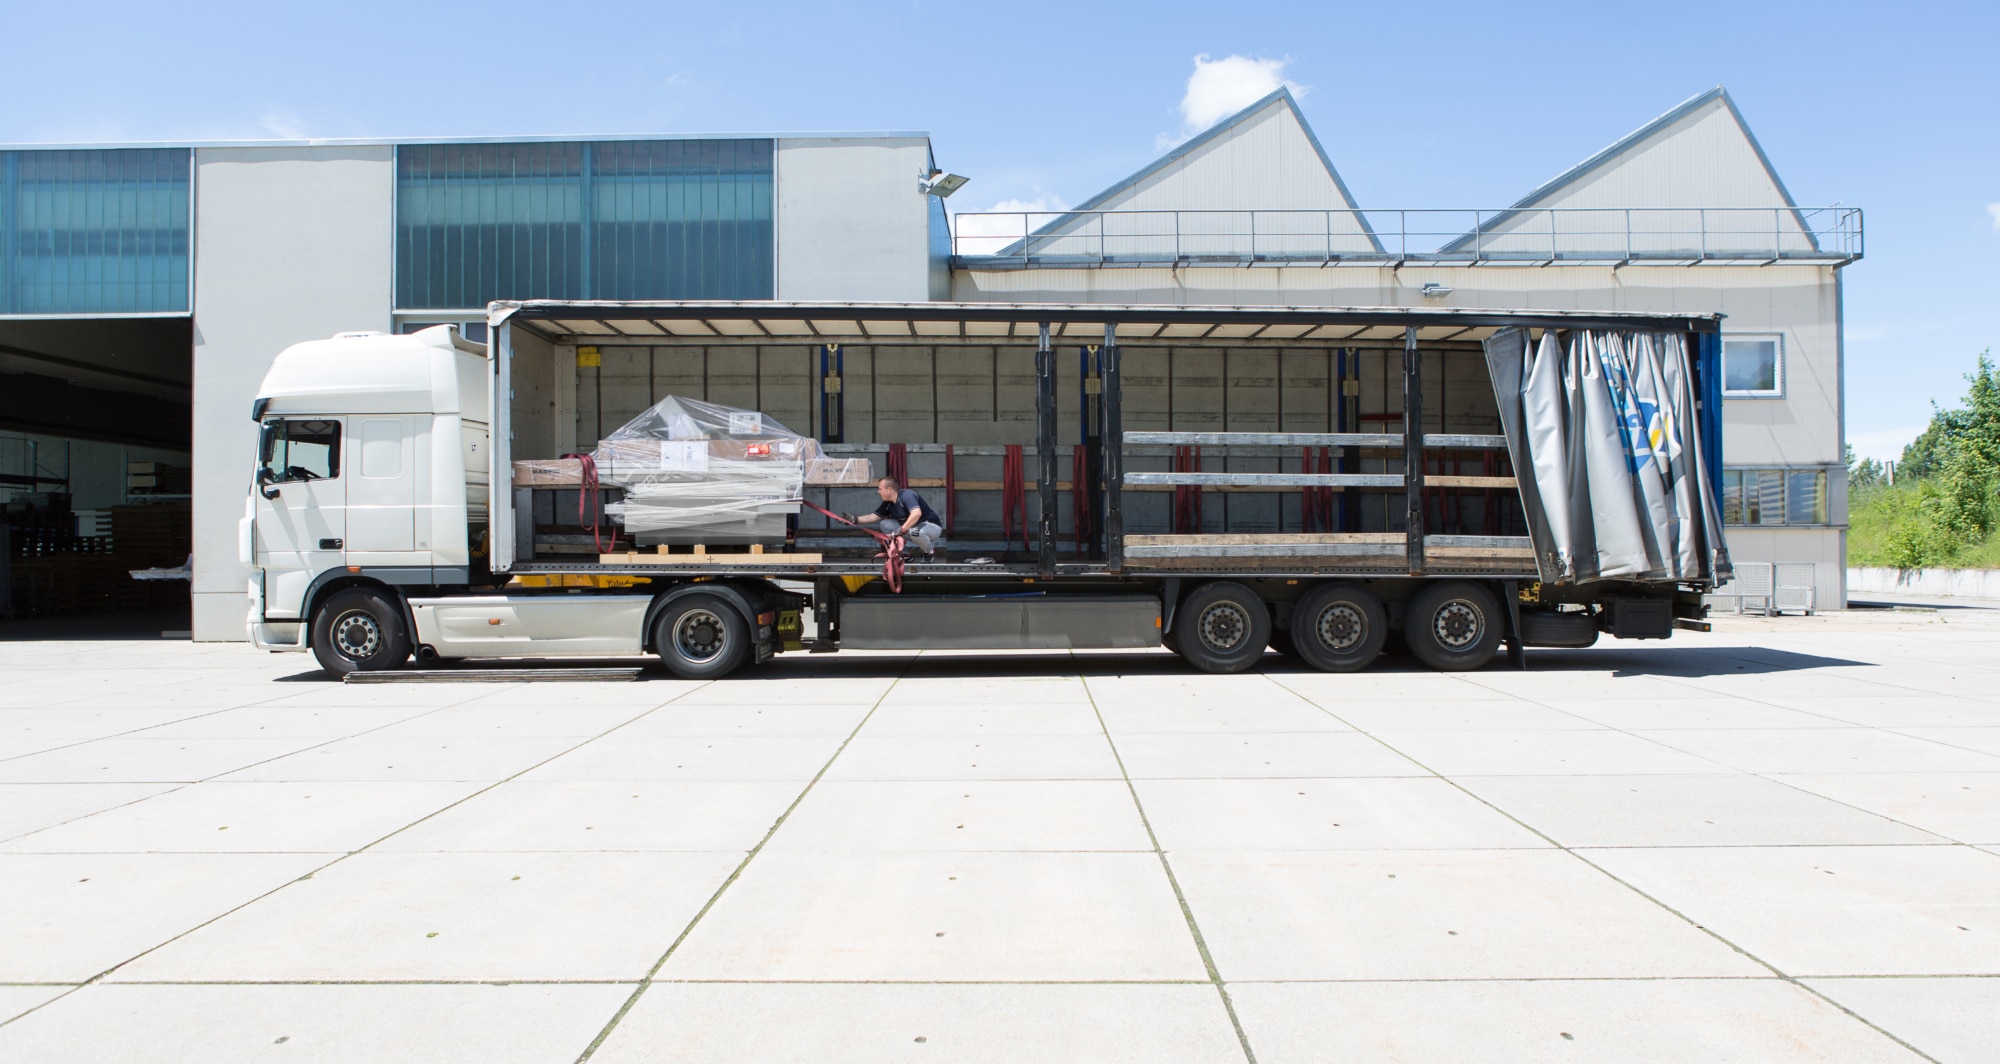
301,450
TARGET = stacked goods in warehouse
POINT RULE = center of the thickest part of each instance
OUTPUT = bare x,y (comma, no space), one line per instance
154,535
157,478
55,572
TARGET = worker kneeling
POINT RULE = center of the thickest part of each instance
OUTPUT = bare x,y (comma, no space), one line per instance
906,513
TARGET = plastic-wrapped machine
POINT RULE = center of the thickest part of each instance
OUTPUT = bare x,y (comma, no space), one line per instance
696,472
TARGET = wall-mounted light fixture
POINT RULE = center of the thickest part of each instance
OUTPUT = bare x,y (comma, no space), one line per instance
940,184
1434,290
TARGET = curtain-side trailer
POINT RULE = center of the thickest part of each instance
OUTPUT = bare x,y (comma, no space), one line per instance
1215,480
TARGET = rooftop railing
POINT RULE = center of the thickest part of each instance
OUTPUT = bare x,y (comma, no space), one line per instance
1524,236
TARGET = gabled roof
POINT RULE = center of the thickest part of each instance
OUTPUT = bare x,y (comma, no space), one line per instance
1629,145
1202,142
1216,132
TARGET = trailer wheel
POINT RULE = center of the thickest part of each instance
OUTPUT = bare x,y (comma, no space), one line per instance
1453,626
1339,627
359,630
1222,627
701,637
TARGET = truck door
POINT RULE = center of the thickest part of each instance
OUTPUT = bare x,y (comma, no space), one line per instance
381,490
301,524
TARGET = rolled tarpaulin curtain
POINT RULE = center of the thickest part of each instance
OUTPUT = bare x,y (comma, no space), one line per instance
1601,428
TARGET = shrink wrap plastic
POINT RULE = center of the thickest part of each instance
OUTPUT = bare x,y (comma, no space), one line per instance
702,472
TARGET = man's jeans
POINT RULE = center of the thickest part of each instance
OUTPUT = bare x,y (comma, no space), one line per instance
925,535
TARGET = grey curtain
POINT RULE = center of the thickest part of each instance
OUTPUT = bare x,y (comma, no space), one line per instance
1601,426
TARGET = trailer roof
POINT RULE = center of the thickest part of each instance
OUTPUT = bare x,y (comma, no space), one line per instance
841,322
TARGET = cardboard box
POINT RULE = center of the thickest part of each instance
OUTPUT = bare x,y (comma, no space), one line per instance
549,473
839,472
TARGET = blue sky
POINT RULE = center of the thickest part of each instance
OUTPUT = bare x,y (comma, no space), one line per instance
1891,107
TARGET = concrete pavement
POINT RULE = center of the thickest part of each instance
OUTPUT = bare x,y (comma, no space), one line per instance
1776,842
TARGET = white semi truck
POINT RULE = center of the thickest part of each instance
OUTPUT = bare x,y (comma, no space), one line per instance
383,521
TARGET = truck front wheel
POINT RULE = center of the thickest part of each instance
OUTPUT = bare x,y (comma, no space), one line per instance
1453,626
359,630
701,637
1339,627
1222,627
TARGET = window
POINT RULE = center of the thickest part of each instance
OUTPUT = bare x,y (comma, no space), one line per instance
1753,366
667,219
1774,497
94,232
300,450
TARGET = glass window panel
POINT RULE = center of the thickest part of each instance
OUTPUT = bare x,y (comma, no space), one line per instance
1769,505
94,232
301,450
681,219
1750,366
1805,497
1732,497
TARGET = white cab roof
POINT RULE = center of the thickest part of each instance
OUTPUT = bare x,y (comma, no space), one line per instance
430,372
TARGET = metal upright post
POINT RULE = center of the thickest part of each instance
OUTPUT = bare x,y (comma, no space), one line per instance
587,208
1413,448
832,395
1090,437
1114,451
1045,446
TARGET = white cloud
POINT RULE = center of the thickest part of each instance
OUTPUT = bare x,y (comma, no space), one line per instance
283,124
986,232
1994,210
1219,88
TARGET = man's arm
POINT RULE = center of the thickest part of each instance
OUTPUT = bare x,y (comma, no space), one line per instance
916,508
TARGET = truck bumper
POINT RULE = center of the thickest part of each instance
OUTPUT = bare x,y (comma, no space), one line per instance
271,635
278,635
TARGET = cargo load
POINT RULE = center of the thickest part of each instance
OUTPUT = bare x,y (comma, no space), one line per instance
699,472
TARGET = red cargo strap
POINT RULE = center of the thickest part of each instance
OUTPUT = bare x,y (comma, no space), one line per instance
1187,497
588,501
898,464
950,488
891,543
1079,495
1013,497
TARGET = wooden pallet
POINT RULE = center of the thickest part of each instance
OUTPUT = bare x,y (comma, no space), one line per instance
754,555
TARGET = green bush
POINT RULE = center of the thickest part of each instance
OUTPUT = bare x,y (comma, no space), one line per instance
1944,512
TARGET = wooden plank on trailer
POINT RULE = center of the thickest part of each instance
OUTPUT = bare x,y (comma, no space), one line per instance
703,557
1265,439
1244,538
1270,550
1268,480
1442,439
1438,481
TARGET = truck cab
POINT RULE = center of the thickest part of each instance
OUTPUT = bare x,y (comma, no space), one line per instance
372,470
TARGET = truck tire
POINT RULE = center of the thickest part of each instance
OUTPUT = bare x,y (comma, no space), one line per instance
701,637
360,629
1339,627
1453,626
1222,627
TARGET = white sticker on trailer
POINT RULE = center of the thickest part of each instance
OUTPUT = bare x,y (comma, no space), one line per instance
684,456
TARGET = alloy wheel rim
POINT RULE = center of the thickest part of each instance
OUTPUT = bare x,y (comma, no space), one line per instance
357,635
1341,627
1224,626
700,636
1458,624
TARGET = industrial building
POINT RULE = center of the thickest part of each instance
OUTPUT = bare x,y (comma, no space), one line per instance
145,290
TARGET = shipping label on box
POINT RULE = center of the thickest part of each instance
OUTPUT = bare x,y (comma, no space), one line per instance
549,472
683,456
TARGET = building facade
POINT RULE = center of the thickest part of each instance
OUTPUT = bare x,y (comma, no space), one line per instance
145,290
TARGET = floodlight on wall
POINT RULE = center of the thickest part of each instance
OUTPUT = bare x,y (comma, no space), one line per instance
1434,290
940,184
